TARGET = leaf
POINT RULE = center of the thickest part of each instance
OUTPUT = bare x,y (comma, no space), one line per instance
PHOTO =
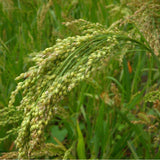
80,145
133,150
126,80
58,133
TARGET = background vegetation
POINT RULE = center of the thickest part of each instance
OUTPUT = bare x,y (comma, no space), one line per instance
115,114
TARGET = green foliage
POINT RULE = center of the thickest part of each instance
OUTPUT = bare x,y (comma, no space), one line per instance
83,97
81,144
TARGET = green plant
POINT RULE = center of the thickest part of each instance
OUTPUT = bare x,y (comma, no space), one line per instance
57,70
81,90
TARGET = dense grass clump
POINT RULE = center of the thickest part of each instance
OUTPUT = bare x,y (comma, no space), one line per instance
91,94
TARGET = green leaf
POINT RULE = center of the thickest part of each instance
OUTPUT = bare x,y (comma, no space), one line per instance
80,145
133,150
60,134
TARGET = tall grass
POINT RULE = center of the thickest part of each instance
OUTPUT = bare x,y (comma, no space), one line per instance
105,116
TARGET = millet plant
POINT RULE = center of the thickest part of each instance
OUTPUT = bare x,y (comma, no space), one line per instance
56,72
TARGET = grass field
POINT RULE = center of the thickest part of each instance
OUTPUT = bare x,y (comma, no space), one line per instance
114,113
